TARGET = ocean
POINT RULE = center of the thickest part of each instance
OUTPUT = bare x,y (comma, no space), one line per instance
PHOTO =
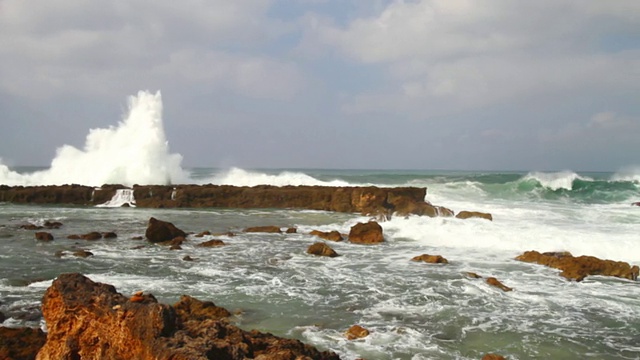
413,310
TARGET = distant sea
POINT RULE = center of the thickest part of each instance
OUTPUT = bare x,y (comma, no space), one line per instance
413,310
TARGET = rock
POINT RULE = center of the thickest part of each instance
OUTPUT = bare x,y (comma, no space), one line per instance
82,253
331,235
263,229
356,332
491,356
211,243
160,231
577,268
31,227
474,214
137,238
176,241
73,237
20,343
636,203
88,320
321,249
366,233
187,258
94,235
175,247
2,317
109,235
44,236
495,282
291,230
431,259
472,275
202,234
52,224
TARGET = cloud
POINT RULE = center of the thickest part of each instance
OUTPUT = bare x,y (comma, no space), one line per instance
83,47
441,55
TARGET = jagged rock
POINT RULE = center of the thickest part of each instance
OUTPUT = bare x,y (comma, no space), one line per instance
211,243
176,241
20,343
263,229
328,235
291,230
44,236
577,268
356,332
366,233
432,259
474,214
321,249
160,231
109,235
91,321
495,282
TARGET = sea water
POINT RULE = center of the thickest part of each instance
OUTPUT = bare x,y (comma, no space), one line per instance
413,310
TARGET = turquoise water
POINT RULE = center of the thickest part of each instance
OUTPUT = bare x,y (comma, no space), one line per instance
414,311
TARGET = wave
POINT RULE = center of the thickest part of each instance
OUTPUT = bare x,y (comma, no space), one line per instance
133,152
240,177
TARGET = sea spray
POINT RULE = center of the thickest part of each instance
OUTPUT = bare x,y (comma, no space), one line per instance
133,152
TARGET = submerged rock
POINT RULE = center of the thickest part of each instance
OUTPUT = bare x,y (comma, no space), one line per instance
577,268
160,231
366,233
492,356
432,259
90,321
44,236
263,229
211,243
496,283
474,214
321,249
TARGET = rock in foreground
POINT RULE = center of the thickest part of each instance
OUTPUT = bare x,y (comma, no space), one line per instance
21,343
577,268
160,231
88,320
366,233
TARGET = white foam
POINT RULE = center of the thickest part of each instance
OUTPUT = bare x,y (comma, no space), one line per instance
240,177
555,180
135,151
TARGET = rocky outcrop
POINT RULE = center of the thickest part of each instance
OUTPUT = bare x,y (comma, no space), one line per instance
321,249
20,343
160,231
328,235
431,259
366,233
577,268
496,283
369,200
474,214
91,321
492,356
211,243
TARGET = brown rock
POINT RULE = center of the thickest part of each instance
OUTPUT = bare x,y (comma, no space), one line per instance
495,282
366,233
211,243
291,230
321,249
356,332
330,235
160,231
44,236
636,203
175,247
187,258
431,259
137,238
263,229
52,224
177,241
109,235
491,356
31,227
474,214
73,237
82,253
94,235
20,343
472,275
202,234
577,268
91,321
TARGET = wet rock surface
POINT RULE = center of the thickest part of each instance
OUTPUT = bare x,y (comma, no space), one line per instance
20,343
366,233
89,320
159,231
321,249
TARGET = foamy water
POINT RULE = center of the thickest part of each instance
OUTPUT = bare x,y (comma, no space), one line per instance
413,310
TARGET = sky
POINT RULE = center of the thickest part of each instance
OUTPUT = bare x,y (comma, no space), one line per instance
424,84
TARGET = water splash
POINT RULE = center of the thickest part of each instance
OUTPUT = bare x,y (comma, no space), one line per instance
133,152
